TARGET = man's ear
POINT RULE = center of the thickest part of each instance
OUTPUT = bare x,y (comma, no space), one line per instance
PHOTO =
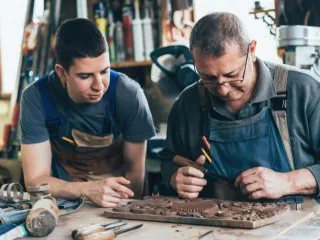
253,46
61,72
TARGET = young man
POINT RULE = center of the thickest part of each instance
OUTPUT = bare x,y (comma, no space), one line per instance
85,122
240,105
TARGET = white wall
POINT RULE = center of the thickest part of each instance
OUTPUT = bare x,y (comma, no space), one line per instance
12,17
266,47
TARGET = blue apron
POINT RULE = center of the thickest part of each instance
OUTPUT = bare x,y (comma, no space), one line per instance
59,125
236,146
243,144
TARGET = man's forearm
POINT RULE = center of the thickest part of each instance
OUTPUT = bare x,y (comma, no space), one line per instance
60,188
136,178
301,182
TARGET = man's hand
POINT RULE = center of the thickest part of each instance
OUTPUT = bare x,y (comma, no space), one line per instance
188,181
108,192
262,182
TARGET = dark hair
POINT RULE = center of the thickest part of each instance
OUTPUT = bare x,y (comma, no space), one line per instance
213,32
78,38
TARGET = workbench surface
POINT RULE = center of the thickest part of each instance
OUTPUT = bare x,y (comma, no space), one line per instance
295,225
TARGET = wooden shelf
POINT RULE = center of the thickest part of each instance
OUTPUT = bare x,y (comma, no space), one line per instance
131,64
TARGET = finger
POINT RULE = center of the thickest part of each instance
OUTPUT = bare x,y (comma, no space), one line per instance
191,189
248,180
110,192
107,201
191,171
257,195
248,189
201,160
123,195
121,180
110,199
107,204
194,181
188,195
120,188
244,174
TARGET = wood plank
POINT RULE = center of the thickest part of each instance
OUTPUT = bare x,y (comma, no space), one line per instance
130,64
90,214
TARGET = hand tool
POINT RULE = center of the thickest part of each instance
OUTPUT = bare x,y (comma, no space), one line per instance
11,193
95,228
44,214
202,235
68,140
109,235
206,155
43,217
205,141
182,161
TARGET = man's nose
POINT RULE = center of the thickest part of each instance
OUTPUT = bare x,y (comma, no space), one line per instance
223,89
97,84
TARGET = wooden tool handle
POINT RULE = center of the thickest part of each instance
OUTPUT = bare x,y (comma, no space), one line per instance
88,230
106,235
182,161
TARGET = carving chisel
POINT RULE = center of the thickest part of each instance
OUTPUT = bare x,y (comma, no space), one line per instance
109,235
76,234
182,161
185,162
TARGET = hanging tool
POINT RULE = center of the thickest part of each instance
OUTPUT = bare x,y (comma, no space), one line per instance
95,229
109,235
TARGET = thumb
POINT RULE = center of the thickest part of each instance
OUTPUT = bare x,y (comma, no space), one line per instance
201,160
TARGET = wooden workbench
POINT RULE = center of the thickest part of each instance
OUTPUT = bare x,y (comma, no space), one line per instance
302,225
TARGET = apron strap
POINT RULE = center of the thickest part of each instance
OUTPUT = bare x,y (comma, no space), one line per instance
53,119
280,117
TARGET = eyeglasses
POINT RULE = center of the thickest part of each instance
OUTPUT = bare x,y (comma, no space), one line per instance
232,82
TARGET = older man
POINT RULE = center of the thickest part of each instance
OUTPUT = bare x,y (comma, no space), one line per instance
260,119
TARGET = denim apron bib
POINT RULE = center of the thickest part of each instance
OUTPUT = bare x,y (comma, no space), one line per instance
243,144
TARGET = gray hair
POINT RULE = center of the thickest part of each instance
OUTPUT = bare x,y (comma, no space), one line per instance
213,32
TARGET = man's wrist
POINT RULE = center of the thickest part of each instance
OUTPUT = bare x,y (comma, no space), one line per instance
300,182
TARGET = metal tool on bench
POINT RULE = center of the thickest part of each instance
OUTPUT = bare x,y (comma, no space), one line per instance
202,235
81,232
110,234
11,193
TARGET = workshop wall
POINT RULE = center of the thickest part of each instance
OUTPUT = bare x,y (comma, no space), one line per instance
267,46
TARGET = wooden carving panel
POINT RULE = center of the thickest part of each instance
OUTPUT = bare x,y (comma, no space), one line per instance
201,211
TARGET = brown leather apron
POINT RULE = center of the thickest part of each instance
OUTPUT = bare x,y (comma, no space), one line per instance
88,157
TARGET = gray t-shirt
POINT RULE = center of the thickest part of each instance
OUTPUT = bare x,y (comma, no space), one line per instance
132,112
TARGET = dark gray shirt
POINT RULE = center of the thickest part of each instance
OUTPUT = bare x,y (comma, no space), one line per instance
186,119
132,110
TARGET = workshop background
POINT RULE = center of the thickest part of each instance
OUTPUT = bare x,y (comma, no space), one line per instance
286,31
